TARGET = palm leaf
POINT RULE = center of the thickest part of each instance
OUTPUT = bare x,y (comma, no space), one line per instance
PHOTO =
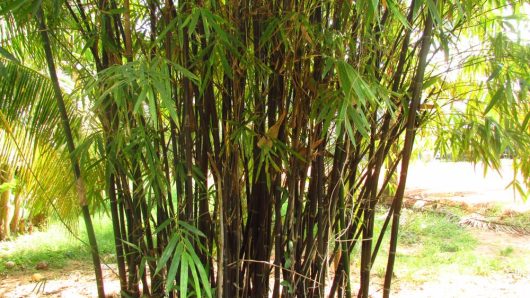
31,141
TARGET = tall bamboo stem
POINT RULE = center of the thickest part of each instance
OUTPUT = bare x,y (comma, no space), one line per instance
407,149
81,192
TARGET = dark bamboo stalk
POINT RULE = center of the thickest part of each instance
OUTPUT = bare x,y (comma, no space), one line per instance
71,149
117,232
407,150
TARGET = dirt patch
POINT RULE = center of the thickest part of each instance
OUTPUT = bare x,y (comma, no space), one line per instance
465,182
463,185
76,279
493,243
511,281
460,285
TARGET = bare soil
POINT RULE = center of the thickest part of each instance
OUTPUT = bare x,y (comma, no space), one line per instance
466,184
76,279
509,282
458,182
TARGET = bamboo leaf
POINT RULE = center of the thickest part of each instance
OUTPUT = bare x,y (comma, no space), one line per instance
196,283
195,13
177,256
434,12
397,13
202,274
496,71
185,72
184,275
168,251
494,99
193,230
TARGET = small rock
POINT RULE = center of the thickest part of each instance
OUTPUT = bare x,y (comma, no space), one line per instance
36,277
42,265
10,264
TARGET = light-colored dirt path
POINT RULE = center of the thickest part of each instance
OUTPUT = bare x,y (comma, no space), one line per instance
510,282
451,285
463,181
74,280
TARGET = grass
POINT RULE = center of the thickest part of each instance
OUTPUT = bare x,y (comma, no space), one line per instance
428,243
431,244
56,246
506,252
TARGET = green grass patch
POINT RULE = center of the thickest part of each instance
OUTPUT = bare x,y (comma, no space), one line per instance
431,243
56,245
506,252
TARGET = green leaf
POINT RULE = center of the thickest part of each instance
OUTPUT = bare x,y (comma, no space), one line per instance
8,55
185,72
496,71
272,26
168,251
397,13
202,273
360,121
184,275
140,100
195,13
14,5
224,61
353,84
191,229
174,267
196,283
141,268
205,24
431,81
132,245
152,106
434,12
345,77
119,10
494,99
162,35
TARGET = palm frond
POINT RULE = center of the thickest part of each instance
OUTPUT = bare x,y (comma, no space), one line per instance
31,141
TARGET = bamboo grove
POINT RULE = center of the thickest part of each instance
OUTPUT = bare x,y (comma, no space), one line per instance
242,148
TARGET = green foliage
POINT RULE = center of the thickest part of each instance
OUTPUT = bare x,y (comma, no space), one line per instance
56,246
8,186
181,253
506,252
253,121
31,143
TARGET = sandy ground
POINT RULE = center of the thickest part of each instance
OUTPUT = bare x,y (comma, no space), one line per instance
74,280
464,182
455,181
510,283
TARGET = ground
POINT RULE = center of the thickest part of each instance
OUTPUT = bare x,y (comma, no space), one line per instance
505,274
75,279
509,282
464,182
